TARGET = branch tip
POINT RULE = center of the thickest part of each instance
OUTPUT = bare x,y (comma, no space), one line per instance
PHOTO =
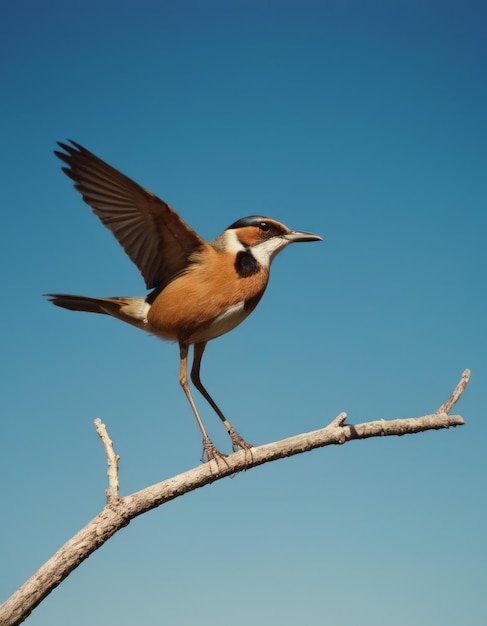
338,421
447,406
112,461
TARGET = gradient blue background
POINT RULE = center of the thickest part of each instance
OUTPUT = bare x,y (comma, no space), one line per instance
363,121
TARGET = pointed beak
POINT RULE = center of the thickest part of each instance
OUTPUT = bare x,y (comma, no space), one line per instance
296,236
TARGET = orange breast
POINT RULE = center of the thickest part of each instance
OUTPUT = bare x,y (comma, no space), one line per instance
188,307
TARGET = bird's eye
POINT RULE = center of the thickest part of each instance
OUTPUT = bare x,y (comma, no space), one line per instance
264,226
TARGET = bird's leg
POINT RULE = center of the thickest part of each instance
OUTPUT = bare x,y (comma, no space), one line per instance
237,440
208,446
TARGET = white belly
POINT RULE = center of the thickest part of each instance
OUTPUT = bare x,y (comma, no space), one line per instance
222,324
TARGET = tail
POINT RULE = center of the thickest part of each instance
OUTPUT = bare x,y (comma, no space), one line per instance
131,310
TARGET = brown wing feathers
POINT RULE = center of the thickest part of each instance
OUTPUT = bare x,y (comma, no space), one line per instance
152,234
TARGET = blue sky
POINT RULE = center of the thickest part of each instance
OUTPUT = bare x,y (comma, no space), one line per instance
361,121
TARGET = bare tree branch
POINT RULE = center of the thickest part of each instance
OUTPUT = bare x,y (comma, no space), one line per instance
447,406
112,460
119,511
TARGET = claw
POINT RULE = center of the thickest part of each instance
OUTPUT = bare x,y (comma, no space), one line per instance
238,442
210,452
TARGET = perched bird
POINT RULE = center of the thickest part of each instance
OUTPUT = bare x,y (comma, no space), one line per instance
199,290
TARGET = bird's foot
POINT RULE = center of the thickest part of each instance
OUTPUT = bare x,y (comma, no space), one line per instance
238,442
210,452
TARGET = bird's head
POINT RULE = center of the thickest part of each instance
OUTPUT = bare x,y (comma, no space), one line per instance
264,237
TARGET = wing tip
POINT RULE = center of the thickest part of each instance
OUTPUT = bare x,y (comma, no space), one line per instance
70,150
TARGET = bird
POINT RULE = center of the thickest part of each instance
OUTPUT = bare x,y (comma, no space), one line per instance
198,290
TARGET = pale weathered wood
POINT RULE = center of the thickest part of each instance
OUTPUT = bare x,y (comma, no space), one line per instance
119,511
112,460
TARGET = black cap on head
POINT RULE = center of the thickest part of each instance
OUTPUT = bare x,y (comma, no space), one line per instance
251,220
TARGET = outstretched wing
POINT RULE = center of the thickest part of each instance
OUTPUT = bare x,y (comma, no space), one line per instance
153,235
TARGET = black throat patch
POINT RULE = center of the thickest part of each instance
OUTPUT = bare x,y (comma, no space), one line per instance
246,264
